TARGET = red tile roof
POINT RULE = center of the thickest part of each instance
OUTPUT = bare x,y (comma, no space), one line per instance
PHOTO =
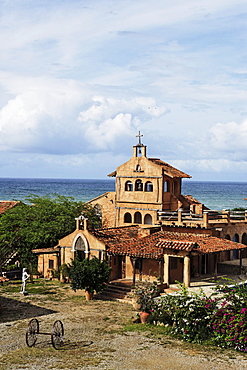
168,169
117,235
125,241
7,204
190,199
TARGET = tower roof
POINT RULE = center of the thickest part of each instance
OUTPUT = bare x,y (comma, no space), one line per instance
168,169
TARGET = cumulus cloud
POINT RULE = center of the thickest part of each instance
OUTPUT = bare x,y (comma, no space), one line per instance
62,117
108,122
230,137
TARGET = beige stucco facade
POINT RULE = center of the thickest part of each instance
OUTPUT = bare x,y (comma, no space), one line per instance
144,187
148,193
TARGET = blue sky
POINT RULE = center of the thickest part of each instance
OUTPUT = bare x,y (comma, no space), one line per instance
79,79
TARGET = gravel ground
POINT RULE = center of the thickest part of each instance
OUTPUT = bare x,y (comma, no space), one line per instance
94,338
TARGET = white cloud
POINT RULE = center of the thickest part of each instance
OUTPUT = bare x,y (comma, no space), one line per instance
43,118
84,77
110,121
230,137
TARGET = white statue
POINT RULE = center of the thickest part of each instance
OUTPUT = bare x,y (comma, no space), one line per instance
25,276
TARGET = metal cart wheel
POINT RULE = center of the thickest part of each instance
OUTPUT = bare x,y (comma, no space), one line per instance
57,334
32,332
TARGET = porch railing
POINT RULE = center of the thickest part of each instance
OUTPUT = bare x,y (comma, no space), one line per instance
181,217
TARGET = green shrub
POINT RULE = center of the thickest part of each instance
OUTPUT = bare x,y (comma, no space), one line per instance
189,314
91,275
144,293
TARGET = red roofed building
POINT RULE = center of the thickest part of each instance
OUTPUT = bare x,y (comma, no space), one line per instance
7,204
150,229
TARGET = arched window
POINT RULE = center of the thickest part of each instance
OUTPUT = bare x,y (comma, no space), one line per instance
166,186
244,238
128,186
138,168
148,186
148,219
137,218
127,218
138,185
98,212
236,238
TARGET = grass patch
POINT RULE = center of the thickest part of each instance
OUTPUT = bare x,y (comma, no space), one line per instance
61,359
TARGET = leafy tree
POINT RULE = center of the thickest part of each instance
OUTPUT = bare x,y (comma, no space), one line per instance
39,223
91,275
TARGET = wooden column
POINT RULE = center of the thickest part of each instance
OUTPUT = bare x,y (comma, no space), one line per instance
166,269
205,219
179,217
187,271
134,271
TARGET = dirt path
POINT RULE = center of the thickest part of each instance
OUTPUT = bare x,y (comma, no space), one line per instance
94,338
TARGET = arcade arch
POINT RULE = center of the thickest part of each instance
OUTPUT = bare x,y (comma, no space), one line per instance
137,218
148,219
127,218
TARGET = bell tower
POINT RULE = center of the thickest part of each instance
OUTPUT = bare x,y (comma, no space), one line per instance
139,150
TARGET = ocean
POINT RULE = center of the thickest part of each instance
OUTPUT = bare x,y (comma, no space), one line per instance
215,195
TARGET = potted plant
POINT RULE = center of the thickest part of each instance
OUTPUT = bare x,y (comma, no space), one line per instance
64,272
91,275
144,294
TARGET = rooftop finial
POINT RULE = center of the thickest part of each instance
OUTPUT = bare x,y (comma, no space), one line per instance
139,136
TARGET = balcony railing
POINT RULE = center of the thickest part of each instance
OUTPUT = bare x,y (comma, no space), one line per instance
203,219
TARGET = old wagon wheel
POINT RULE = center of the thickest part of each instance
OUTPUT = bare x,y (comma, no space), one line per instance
57,334
32,332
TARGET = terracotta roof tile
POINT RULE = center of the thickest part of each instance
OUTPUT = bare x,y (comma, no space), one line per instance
125,241
168,169
7,204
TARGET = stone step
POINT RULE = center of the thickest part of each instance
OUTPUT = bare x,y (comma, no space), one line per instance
116,291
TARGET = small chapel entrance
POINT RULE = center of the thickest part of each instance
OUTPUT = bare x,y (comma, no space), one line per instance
80,248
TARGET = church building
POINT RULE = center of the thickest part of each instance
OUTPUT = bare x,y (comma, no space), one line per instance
149,229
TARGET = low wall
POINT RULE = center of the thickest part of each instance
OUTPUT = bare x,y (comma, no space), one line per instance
229,269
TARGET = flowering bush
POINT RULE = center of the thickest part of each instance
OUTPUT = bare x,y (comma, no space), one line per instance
144,293
229,323
188,314
195,317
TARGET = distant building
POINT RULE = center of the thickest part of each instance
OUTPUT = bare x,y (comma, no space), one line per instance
150,229
5,205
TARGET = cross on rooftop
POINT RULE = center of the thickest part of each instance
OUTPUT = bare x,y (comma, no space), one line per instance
139,136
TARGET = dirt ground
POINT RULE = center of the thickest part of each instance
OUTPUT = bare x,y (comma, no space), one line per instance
94,337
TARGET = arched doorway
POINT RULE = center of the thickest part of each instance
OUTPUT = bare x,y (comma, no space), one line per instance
80,247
